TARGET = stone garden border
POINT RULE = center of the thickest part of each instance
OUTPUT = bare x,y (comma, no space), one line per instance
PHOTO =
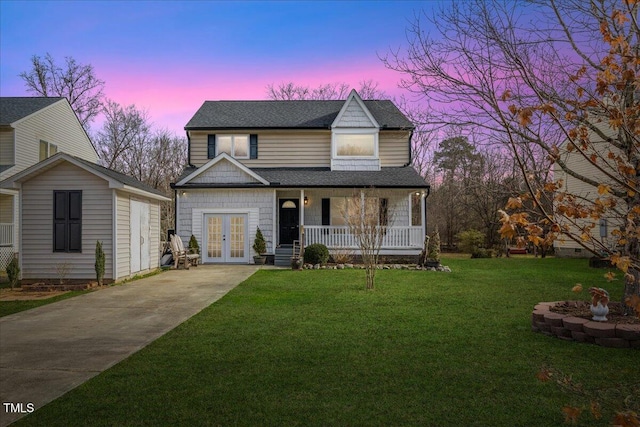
573,328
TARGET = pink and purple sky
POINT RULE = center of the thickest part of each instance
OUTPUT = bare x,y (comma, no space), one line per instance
169,56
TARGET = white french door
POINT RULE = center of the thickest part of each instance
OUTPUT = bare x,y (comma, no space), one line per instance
226,238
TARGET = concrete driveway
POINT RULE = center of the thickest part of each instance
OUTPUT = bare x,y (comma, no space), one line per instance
47,351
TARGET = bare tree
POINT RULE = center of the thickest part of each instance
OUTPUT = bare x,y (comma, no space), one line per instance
368,215
128,144
76,82
288,91
566,81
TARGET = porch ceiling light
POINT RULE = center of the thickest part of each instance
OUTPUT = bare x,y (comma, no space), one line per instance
288,205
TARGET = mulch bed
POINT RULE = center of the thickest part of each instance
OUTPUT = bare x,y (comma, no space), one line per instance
581,309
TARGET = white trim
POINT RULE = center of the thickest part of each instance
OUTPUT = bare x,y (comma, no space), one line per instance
198,220
355,131
114,236
353,95
215,160
276,230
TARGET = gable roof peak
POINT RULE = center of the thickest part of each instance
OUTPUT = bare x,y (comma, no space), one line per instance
368,117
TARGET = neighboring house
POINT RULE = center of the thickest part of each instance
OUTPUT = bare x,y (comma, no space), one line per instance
31,130
290,167
68,204
565,247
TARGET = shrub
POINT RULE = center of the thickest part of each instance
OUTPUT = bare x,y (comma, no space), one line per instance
99,265
194,247
434,246
470,240
259,244
342,255
482,253
13,271
316,254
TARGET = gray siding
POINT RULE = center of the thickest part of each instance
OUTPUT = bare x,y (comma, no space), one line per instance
123,233
192,206
354,117
38,259
223,172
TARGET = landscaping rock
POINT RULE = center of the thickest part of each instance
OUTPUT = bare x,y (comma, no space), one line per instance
348,265
600,329
554,319
582,337
561,332
628,332
340,266
574,323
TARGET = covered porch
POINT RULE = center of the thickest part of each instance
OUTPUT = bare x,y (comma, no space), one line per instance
8,226
319,215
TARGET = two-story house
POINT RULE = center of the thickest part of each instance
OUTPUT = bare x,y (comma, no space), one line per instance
31,130
291,168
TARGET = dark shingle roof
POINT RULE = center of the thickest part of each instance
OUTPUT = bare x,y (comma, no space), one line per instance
125,179
13,108
397,177
287,115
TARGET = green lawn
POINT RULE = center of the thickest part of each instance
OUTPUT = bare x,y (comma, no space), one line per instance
10,307
289,348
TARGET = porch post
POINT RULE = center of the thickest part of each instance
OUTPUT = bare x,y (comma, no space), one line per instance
301,221
275,230
423,212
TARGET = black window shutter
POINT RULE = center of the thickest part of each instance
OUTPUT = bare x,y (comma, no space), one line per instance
326,211
384,211
67,221
211,146
75,221
59,221
253,146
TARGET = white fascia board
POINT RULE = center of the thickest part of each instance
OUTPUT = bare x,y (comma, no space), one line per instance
217,159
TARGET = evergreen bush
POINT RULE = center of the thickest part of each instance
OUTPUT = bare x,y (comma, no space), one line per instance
99,265
13,271
316,254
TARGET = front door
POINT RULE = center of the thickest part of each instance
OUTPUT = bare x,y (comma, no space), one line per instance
289,220
225,238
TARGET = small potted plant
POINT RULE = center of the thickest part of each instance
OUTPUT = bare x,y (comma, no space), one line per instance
433,250
260,247
194,247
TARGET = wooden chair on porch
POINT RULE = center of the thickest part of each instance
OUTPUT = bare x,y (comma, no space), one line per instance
180,254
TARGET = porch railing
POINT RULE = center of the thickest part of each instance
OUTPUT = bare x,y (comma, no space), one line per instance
333,236
6,234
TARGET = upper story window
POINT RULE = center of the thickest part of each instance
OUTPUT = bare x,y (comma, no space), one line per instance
355,144
234,145
47,150
237,146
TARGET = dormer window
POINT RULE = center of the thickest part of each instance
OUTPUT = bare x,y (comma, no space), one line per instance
355,144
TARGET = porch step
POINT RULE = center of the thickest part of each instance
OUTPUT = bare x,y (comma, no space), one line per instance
283,255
